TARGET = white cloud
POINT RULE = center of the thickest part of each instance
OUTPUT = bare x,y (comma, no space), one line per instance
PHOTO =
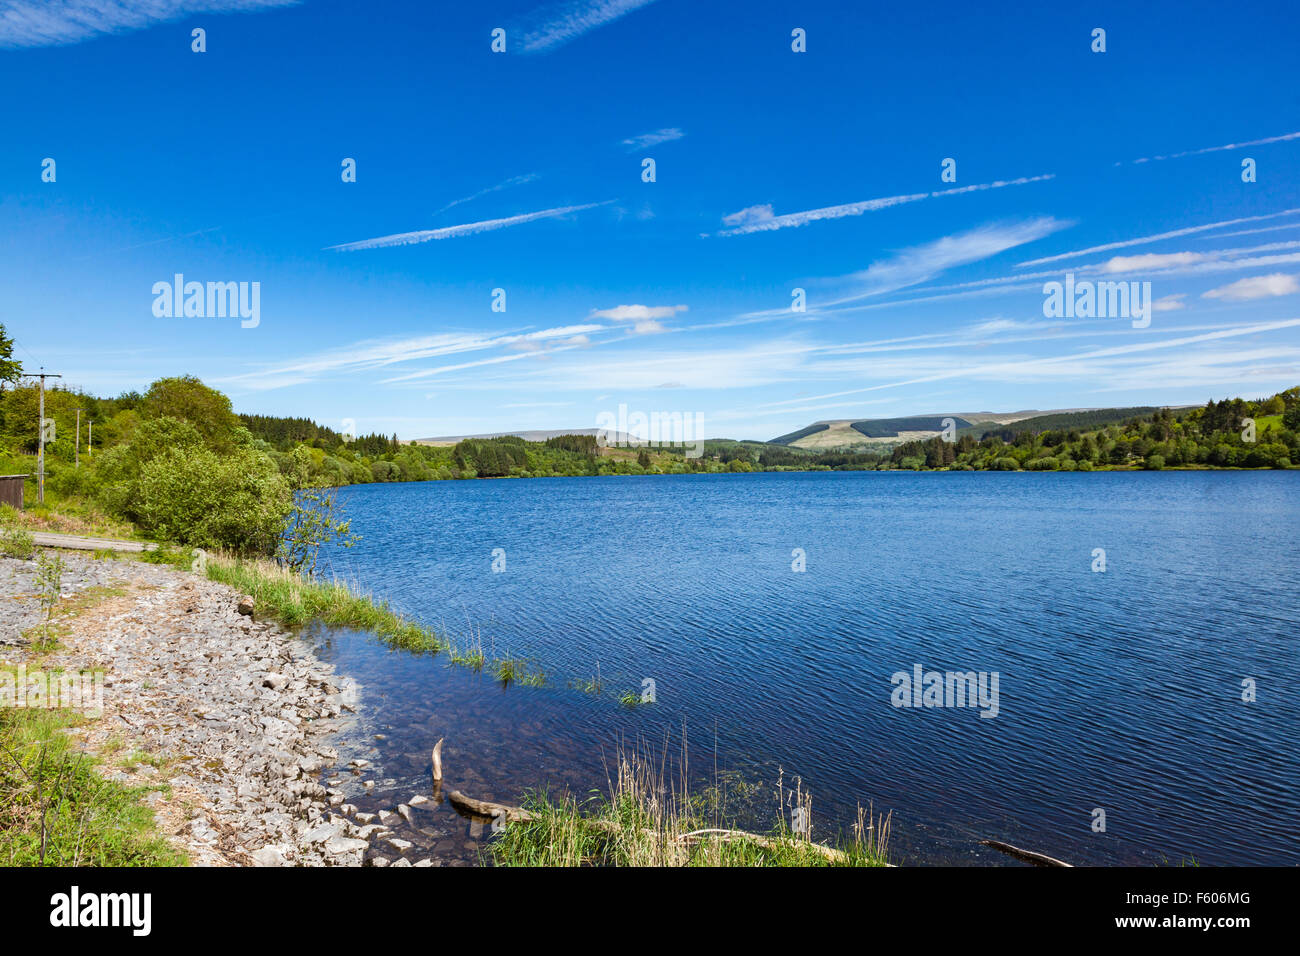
1153,260
646,140
514,181
1143,240
34,23
633,313
921,263
553,26
1256,287
750,215
1084,366
1170,303
376,354
760,218
468,229
1248,232
640,367
1218,149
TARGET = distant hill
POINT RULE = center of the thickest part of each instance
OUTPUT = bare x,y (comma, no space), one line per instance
868,432
891,427
793,437
537,435
1084,420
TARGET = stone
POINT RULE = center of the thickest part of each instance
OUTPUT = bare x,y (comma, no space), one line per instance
268,856
345,845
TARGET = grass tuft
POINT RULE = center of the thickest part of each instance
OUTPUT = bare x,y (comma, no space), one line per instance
56,809
646,821
295,601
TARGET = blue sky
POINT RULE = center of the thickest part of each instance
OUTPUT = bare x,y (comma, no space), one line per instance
775,170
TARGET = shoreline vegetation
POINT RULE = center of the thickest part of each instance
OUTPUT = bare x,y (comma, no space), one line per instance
651,819
295,600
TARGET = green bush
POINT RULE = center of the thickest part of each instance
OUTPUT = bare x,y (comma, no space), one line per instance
1155,462
238,502
15,542
118,470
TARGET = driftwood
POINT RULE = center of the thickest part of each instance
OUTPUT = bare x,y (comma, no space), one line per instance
1025,856
437,761
486,809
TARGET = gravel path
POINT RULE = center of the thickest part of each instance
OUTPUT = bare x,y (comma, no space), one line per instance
235,714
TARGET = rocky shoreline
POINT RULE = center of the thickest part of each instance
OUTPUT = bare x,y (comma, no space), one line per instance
235,720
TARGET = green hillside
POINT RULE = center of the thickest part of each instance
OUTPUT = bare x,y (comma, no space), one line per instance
890,427
801,433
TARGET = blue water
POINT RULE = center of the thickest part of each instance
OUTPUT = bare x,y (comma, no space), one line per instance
1119,691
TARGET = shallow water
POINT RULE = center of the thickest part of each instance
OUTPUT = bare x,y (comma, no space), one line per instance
1118,691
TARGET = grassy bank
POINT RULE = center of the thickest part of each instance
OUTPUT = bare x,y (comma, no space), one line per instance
294,600
57,810
645,822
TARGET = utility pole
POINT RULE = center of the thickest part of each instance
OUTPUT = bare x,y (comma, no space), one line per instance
76,457
40,457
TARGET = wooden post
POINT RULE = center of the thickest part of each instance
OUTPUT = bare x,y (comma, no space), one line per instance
40,434
40,455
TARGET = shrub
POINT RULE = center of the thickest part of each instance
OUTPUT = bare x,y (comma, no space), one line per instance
1155,462
187,399
238,503
118,470
15,542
